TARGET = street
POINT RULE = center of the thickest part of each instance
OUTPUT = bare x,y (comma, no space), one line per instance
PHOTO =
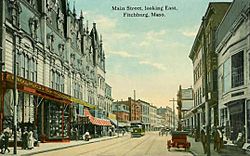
149,145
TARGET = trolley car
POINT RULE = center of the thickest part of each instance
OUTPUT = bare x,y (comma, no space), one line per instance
137,129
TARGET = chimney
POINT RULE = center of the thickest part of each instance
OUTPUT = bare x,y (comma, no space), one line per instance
134,95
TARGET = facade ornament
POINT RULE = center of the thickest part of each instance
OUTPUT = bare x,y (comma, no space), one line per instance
33,24
49,7
15,10
60,20
78,40
72,59
50,41
61,48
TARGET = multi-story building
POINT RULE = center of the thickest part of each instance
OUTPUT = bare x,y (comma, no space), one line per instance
60,67
145,113
165,113
159,122
205,65
152,117
122,112
169,117
233,49
108,99
186,100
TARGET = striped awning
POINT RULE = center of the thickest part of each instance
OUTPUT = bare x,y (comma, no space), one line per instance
96,121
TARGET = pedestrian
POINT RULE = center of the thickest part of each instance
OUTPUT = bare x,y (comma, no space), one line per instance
35,136
76,134
110,132
25,138
6,142
204,139
30,140
2,142
87,136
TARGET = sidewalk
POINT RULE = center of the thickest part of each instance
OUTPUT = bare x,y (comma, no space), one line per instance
46,147
197,150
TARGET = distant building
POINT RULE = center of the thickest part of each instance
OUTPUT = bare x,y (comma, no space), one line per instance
152,117
145,113
107,108
166,113
134,109
121,110
186,110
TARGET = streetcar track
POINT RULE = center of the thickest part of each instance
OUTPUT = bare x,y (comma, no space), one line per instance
124,143
151,145
101,148
133,148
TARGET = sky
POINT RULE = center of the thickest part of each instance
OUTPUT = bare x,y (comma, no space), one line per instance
148,55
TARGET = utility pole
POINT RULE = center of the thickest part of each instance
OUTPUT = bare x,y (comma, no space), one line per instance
15,96
207,104
179,103
173,112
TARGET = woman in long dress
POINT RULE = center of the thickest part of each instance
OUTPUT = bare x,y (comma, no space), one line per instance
30,140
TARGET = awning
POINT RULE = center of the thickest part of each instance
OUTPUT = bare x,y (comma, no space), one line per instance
96,121
81,102
113,121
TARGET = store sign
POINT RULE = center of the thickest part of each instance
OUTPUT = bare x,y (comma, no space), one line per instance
187,94
112,116
75,100
28,85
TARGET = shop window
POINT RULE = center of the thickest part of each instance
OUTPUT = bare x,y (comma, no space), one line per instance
237,69
57,118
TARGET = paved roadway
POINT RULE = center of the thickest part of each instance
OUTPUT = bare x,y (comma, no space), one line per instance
149,145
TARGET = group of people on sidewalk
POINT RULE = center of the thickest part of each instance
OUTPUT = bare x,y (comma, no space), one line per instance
28,139
217,139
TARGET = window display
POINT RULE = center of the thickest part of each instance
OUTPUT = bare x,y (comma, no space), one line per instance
57,121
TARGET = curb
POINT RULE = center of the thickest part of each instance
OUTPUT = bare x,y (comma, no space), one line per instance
65,147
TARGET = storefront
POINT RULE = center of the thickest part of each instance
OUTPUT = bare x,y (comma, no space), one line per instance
237,118
39,109
97,127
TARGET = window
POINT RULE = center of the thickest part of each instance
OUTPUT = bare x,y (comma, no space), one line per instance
62,83
237,69
26,67
32,70
226,76
22,66
57,81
